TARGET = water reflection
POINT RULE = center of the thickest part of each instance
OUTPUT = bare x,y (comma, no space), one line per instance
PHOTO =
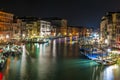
65,48
40,52
57,60
6,72
54,48
106,72
60,48
44,66
111,73
23,63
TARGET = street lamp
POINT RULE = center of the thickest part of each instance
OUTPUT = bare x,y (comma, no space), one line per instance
7,37
65,33
23,36
108,50
34,34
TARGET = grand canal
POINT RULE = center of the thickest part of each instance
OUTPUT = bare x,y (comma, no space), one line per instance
56,60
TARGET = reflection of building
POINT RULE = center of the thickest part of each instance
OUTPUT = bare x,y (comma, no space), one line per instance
110,28
6,20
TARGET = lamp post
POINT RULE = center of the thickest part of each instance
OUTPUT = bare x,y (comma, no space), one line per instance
108,50
23,36
7,37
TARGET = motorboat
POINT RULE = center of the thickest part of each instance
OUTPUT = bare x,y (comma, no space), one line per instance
105,62
108,62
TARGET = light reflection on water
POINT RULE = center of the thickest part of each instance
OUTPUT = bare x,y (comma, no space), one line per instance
111,73
56,61
23,63
54,48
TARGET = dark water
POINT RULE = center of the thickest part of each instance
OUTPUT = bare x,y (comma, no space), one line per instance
58,60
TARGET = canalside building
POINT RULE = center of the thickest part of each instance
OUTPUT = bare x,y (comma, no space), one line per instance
6,20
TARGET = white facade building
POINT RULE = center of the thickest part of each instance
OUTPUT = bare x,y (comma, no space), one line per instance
45,28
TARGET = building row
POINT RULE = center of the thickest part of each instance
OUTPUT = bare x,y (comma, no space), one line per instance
12,27
110,29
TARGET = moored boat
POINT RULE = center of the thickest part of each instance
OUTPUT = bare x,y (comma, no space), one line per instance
105,62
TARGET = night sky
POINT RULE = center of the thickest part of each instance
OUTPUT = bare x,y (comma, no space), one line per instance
77,12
